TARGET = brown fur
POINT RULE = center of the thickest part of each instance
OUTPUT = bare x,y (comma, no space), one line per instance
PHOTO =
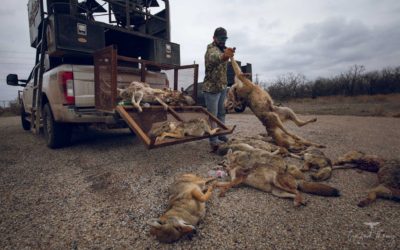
315,159
388,183
194,127
360,160
260,102
137,92
388,173
269,176
252,143
186,208
285,113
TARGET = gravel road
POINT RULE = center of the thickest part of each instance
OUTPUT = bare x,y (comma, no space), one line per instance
99,192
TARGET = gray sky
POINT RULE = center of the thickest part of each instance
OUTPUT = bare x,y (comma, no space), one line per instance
312,37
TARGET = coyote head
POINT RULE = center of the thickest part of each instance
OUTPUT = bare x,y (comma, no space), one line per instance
170,230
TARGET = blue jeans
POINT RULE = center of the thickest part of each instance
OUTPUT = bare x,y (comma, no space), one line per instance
215,105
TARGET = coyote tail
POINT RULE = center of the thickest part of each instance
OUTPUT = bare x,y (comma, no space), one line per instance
318,189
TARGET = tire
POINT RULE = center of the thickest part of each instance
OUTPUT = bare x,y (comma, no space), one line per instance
26,125
240,109
56,134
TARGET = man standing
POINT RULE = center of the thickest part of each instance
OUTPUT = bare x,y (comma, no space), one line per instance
215,80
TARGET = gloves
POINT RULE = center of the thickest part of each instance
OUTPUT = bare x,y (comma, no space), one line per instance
228,53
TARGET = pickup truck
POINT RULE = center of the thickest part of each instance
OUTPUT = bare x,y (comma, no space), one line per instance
68,99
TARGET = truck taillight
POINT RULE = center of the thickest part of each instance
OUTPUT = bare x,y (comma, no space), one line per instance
68,87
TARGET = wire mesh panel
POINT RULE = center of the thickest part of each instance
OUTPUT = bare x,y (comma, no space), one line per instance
105,79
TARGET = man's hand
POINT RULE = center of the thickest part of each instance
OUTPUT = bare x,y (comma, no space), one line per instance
228,53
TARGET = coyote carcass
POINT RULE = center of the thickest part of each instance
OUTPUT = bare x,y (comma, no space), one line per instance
186,208
260,102
193,127
137,92
269,177
388,172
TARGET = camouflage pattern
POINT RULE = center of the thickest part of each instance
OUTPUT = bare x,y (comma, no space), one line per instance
215,79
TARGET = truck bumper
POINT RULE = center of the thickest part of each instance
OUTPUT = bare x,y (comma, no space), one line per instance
71,114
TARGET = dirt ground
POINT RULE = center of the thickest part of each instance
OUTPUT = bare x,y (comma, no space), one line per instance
99,192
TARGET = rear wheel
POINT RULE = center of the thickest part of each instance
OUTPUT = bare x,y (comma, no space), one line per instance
26,125
57,134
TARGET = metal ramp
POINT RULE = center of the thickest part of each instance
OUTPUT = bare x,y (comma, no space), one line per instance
107,79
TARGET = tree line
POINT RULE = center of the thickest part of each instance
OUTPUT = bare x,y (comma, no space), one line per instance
356,81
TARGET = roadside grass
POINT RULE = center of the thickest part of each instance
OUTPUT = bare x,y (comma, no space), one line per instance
365,105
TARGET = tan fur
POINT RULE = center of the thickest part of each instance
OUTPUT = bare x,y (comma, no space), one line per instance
177,98
388,183
388,172
194,127
251,144
138,92
315,159
260,102
361,160
269,175
186,208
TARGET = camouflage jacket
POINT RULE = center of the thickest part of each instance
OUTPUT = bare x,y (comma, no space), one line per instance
215,78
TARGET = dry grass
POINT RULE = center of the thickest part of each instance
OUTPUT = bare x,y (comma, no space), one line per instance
376,105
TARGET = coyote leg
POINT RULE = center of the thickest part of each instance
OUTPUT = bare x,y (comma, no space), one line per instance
225,186
212,131
379,191
137,103
286,113
165,134
162,103
297,198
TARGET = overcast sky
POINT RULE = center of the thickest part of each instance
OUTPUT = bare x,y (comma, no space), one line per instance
312,37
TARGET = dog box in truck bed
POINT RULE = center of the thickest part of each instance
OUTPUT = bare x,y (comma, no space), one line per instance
107,79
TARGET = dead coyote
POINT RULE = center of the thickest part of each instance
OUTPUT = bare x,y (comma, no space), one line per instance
194,127
260,102
271,178
139,91
315,159
388,174
186,208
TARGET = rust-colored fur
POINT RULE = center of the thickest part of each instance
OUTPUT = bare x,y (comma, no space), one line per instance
388,172
360,160
315,159
186,208
194,127
269,175
260,102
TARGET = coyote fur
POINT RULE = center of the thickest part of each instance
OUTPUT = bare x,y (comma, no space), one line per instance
315,159
138,92
260,102
388,172
186,208
270,178
361,160
252,143
194,127
284,113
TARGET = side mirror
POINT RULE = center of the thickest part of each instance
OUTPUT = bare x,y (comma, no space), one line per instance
12,79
